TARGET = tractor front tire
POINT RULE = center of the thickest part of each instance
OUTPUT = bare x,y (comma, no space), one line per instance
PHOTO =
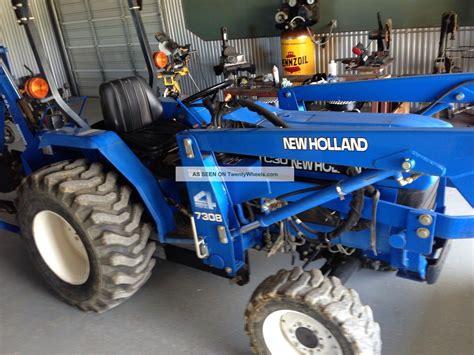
303,312
85,234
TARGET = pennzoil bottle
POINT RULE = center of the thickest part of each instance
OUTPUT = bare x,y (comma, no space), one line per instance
298,52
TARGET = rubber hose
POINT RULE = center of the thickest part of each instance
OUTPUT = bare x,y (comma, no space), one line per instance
357,204
270,116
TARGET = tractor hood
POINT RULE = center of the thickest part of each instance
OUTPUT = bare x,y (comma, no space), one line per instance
330,119
309,119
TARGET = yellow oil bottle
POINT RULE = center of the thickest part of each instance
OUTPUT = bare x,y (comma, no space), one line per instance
298,53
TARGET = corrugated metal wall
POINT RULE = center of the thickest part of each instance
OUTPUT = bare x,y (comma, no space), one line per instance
414,49
263,52
14,38
101,39
102,43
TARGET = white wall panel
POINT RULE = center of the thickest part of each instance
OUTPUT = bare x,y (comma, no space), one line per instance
101,39
14,38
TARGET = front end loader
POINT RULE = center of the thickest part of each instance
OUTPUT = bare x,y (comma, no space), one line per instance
95,203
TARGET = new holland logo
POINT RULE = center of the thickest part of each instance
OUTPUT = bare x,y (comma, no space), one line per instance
291,63
349,144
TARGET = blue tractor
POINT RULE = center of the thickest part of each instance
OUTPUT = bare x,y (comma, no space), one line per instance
96,203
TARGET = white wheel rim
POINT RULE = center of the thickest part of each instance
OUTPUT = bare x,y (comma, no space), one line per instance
288,332
61,247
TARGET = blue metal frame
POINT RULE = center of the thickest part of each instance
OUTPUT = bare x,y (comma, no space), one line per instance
387,150
426,88
9,227
385,153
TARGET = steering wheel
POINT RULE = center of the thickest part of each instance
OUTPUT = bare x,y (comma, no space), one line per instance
212,90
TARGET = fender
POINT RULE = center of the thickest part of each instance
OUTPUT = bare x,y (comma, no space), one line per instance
114,149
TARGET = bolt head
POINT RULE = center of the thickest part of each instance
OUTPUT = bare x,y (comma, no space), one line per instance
406,165
423,233
425,219
287,94
460,96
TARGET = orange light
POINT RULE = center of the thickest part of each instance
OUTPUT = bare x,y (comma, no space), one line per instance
160,59
37,88
228,97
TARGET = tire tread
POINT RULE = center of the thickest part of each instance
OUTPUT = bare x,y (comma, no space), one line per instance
113,222
328,297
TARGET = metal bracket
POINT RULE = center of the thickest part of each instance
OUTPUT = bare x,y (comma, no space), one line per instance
423,163
201,248
222,234
420,232
340,192
188,147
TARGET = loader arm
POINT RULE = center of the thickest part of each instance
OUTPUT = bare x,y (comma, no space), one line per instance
383,151
440,90
373,148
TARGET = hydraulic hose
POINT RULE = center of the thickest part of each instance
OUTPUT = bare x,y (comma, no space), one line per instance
269,115
357,204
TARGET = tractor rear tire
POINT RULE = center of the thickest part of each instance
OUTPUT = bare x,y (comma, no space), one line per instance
85,234
303,312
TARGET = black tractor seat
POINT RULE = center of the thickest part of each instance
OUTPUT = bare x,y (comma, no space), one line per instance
156,139
131,109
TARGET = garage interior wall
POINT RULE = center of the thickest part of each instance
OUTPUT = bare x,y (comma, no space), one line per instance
14,38
101,39
414,49
102,44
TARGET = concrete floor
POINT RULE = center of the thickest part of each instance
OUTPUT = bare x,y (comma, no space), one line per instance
182,310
